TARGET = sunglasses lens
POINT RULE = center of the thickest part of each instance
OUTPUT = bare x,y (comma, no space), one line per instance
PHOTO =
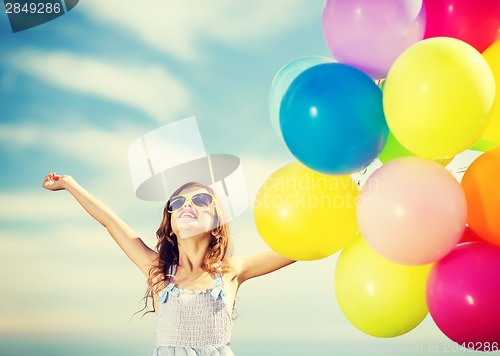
202,200
176,203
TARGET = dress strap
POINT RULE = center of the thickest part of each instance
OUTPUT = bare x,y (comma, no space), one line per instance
172,269
218,289
170,288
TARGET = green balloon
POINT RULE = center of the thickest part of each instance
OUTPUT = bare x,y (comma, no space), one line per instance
393,149
483,145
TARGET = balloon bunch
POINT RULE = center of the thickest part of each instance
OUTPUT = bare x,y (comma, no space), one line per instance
414,239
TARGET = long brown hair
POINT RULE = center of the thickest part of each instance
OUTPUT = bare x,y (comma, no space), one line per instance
219,249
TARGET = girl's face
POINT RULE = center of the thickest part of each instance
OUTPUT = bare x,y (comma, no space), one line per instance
192,218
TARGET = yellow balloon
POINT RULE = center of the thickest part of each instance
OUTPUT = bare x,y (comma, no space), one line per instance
305,215
379,297
492,56
437,97
444,160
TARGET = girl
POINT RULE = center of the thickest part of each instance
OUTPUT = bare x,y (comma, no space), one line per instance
192,276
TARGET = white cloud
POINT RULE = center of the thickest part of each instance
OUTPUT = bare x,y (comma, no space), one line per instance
92,145
63,279
30,206
103,152
179,27
148,88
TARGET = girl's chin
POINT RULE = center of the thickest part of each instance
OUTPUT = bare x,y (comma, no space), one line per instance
187,233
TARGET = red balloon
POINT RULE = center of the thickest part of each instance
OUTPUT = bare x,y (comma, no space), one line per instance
476,22
463,295
469,236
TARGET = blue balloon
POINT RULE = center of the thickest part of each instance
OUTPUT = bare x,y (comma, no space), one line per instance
332,119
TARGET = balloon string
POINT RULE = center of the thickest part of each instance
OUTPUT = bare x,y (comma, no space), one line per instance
458,170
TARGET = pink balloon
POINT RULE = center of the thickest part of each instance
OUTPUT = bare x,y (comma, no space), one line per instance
463,295
371,34
476,22
412,211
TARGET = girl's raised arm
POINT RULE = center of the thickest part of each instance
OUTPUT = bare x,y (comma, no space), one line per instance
125,237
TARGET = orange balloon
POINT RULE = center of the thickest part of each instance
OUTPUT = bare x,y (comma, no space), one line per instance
481,184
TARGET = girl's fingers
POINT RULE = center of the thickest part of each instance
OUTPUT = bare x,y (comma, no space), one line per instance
49,179
53,176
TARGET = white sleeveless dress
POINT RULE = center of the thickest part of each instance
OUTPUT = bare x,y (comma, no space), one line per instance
193,323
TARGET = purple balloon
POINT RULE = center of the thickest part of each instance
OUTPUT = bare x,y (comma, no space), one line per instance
463,295
371,34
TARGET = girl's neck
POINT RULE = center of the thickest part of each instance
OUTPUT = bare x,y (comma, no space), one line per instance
192,252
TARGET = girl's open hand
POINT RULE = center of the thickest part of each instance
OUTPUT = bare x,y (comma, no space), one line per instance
54,182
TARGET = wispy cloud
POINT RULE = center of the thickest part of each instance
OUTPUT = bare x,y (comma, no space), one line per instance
149,88
92,145
178,27
56,280
104,154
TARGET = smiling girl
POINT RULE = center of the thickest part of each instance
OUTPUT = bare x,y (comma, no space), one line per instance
192,276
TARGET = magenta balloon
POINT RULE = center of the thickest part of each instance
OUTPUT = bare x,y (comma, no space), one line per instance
463,295
371,34
476,22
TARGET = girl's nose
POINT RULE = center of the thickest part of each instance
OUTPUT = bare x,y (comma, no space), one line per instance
188,203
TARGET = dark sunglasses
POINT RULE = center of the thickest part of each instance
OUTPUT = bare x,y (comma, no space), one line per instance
201,200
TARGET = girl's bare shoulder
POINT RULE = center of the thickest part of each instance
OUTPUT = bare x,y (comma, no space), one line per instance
235,264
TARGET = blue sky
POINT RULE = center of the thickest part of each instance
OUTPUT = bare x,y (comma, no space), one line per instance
74,94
